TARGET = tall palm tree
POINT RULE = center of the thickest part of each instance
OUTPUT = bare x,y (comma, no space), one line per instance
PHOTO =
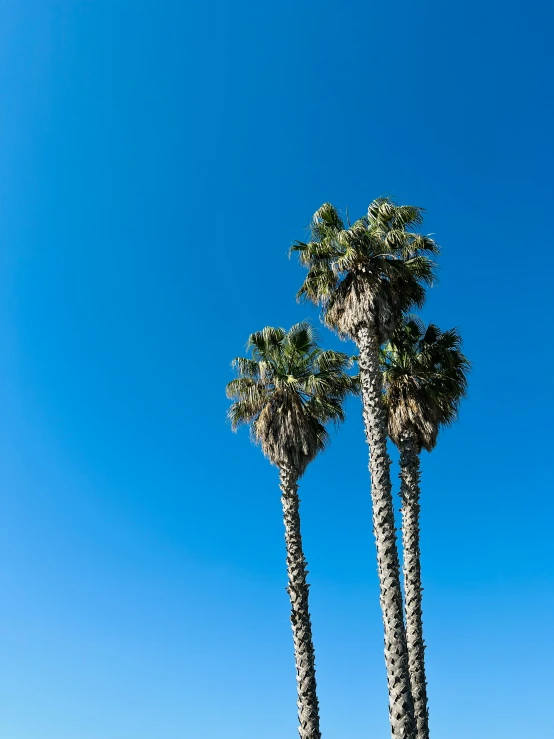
425,378
364,276
287,391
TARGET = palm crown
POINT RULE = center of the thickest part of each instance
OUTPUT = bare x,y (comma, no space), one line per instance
288,390
372,271
425,378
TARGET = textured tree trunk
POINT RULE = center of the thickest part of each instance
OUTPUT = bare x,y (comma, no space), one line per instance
401,711
409,492
308,705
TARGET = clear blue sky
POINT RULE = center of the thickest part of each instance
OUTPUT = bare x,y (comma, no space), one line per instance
157,160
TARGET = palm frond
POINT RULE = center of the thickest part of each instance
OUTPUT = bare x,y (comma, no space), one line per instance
246,367
319,284
328,215
301,337
263,342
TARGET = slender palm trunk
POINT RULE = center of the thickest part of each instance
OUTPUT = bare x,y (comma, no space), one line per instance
308,705
409,492
401,711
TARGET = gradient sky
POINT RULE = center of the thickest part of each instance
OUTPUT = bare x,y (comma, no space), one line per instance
158,158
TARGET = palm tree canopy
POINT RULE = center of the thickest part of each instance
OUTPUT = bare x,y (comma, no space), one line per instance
425,378
368,273
287,390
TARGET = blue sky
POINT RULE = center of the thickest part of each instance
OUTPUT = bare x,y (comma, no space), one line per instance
157,161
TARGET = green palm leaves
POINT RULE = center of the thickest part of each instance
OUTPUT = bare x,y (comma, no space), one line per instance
288,390
425,378
369,272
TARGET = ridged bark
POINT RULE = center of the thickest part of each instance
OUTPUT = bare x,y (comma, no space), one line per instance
410,492
401,711
308,705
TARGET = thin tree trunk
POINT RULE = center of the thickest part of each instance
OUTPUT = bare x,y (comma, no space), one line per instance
401,711
409,492
308,705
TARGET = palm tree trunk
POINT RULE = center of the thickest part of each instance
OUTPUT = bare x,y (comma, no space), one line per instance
308,705
401,711
409,492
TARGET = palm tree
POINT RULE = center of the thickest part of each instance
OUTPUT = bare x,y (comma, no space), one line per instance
364,276
425,378
287,391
